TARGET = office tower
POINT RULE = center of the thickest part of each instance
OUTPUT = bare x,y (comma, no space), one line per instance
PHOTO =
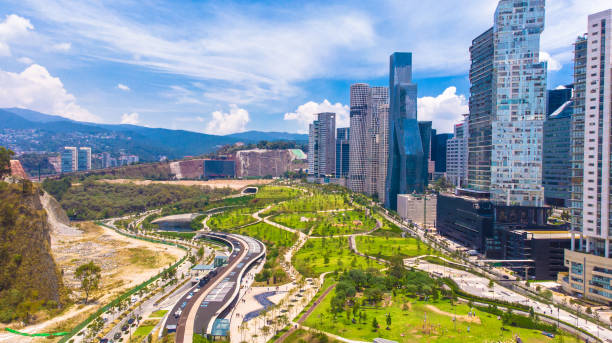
457,155
589,263
106,160
439,151
342,151
361,99
379,96
481,112
84,158
519,105
557,97
556,165
426,142
405,172
383,149
69,159
322,145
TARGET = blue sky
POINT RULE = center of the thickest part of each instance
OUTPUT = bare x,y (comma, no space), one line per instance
222,67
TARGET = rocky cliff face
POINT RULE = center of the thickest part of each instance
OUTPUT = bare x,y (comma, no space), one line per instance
29,278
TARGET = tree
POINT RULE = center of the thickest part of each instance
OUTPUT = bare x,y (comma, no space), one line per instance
491,284
375,325
5,160
89,275
388,320
200,252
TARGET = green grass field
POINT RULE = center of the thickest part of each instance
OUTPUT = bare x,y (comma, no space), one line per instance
277,241
420,321
231,219
269,234
387,247
158,314
343,223
294,220
329,254
143,330
277,192
307,203
388,229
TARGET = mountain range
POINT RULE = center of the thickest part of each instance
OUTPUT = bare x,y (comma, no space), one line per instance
34,131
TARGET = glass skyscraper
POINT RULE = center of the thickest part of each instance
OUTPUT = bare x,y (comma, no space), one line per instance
379,96
519,103
360,105
481,108
342,151
405,172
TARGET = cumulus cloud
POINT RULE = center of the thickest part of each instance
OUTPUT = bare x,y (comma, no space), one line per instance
443,110
306,114
553,64
12,28
130,118
25,60
225,123
35,89
123,87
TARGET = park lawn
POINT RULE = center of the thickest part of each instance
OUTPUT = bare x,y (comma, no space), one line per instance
277,192
294,220
388,229
301,335
311,203
387,247
420,323
329,254
143,330
230,219
269,234
277,242
344,223
158,314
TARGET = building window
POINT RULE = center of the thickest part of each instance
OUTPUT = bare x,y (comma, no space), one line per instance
577,268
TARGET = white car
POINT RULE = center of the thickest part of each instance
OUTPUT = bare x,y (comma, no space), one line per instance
178,313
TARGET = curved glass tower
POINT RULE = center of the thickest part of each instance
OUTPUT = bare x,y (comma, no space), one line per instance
405,172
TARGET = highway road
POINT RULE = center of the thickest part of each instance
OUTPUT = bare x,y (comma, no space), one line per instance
218,296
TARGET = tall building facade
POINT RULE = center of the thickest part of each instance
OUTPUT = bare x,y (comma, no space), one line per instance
84,158
379,96
427,135
439,151
322,145
405,173
590,262
556,165
457,155
383,149
69,159
519,97
342,151
361,102
481,113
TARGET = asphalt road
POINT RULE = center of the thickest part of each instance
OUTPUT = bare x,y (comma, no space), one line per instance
219,291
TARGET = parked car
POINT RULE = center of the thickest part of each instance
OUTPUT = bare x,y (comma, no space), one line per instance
117,335
178,313
131,320
183,304
125,327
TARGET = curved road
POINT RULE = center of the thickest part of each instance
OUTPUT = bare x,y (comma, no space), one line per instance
220,292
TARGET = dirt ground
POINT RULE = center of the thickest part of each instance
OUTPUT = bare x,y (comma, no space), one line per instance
125,262
233,184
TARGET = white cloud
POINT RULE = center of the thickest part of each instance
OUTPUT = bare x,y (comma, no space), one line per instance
61,47
12,28
444,110
226,123
553,64
306,114
25,60
35,89
130,118
123,87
